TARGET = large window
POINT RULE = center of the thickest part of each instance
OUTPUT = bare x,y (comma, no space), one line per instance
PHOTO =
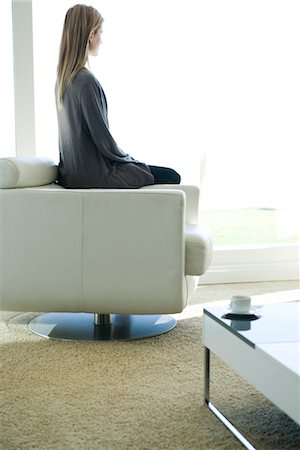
249,78
208,87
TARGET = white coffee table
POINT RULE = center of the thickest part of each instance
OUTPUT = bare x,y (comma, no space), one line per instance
264,351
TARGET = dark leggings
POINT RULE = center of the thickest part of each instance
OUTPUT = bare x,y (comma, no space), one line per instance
164,175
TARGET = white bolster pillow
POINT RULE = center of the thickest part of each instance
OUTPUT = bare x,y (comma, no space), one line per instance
18,172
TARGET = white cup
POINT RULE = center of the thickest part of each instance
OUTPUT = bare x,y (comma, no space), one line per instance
240,304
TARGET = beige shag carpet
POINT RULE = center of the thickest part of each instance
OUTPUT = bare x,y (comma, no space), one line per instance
145,394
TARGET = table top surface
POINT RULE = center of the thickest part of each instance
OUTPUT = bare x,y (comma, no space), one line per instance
272,323
273,329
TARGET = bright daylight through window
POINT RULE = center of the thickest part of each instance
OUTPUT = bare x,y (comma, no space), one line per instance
209,88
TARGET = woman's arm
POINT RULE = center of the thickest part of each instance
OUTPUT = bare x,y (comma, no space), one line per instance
93,107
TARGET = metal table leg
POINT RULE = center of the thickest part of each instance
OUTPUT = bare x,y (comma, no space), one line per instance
215,410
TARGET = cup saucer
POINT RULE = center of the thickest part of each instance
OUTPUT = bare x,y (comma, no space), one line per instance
250,312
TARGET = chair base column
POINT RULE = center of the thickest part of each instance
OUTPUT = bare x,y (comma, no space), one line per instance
100,327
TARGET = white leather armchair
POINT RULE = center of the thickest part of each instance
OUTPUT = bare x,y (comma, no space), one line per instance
103,263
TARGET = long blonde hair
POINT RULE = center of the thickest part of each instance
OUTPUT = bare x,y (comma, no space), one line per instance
80,21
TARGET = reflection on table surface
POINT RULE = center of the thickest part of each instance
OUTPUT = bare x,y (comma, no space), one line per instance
271,323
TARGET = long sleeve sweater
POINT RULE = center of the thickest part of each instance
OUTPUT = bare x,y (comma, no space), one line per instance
89,156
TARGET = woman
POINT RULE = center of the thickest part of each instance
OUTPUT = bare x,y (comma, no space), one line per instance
89,156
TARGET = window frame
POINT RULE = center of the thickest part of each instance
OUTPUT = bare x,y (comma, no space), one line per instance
23,78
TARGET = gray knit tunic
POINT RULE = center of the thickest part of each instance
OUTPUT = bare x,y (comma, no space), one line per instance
89,156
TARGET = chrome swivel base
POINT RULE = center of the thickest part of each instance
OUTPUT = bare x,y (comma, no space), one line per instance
100,327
